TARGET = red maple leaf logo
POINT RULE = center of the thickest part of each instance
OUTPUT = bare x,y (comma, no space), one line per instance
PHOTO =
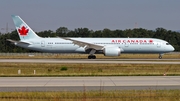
23,31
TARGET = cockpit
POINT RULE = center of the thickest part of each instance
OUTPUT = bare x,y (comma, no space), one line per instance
167,44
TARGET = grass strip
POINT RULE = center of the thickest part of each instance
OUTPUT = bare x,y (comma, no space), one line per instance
117,95
44,70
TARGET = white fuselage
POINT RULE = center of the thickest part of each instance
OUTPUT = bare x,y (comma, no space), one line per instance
127,45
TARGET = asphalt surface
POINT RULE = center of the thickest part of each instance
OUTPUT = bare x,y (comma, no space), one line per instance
8,84
96,61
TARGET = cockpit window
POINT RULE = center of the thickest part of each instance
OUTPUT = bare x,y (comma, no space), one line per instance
167,44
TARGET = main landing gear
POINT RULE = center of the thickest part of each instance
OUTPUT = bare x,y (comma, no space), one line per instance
91,57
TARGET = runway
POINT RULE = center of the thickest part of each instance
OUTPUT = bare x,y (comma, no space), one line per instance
9,84
95,61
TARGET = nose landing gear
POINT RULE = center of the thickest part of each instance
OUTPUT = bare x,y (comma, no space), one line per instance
160,56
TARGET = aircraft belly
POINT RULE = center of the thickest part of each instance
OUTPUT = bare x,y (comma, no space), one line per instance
80,50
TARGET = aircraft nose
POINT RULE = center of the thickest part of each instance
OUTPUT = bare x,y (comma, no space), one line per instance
172,48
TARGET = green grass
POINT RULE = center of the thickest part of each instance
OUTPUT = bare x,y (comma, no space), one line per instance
44,69
124,95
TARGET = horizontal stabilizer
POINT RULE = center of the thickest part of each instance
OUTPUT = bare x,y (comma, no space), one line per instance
18,42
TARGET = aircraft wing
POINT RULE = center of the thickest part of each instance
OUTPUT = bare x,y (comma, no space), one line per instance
84,44
18,42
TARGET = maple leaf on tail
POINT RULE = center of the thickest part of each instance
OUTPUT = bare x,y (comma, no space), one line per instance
23,31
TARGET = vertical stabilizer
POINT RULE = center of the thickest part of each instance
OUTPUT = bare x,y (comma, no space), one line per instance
24,31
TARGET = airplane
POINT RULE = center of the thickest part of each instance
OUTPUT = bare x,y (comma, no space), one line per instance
107,46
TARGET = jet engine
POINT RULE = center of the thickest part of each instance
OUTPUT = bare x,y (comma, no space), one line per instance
112,51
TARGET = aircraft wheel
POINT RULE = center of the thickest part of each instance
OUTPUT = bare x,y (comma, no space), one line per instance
94,57
91,57
160,57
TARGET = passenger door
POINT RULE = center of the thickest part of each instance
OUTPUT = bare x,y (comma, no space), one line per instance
42,43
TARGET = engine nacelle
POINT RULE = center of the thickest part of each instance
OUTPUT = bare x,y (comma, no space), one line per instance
112,51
